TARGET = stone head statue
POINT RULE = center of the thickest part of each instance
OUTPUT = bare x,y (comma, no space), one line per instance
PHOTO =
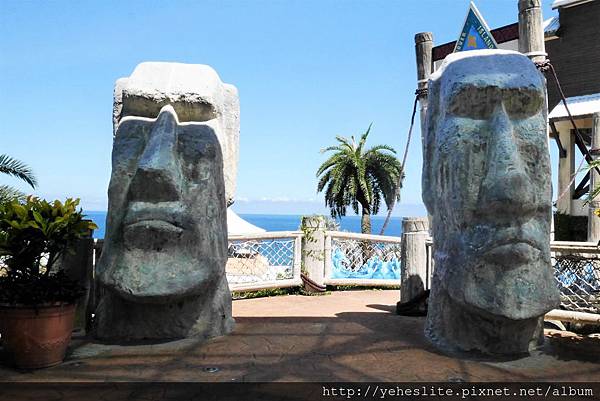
487,185
163,262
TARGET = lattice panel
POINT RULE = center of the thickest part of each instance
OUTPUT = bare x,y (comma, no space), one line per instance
251,261
578,279
365,259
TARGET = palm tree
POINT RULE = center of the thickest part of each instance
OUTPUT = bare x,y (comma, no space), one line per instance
353,176
18,169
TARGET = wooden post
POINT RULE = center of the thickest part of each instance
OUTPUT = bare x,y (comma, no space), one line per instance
566,169
423,48
573,317
414,257
423,51
593,220
531,32
313,253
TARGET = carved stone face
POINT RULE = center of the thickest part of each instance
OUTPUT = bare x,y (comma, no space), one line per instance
166,233
486,182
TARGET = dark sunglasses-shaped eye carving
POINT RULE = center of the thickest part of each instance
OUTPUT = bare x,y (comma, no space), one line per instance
479,103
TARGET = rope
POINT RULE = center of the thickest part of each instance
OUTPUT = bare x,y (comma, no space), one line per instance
314,286
418,92
544,67
564,192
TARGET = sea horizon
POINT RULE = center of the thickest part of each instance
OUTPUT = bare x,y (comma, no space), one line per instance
282,222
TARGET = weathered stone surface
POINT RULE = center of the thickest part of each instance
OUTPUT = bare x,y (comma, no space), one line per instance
487,185
162,268
196,93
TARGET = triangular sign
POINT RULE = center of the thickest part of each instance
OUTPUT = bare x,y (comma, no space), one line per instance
475,33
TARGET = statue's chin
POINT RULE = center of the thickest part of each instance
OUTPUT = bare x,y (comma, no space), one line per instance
150,276
517,290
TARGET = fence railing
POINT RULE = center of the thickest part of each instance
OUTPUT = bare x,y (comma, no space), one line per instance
577,273
361,259
265,260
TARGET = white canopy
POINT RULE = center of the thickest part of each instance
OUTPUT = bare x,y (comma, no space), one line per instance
567,3
551,26
238,226
578,106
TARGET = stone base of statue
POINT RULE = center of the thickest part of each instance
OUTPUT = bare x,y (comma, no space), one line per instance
196,317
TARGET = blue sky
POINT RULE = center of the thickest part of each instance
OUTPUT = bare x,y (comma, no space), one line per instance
306,71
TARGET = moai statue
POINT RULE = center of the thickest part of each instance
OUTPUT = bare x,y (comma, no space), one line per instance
486,183
162,268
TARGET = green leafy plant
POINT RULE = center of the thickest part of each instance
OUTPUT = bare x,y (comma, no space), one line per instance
34,234
355,176
17,169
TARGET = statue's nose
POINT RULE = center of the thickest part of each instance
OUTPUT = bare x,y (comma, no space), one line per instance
157,177
506,186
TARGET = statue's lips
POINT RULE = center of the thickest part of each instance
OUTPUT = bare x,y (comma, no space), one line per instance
151,235
155,215
155,225
512,252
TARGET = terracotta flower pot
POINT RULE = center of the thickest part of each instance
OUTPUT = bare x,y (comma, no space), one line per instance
36,338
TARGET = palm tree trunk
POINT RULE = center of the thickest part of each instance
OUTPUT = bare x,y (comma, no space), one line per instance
365,221
365,227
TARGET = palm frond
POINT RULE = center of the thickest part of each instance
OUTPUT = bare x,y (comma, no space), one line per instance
346,143
332,161
18,169
8,193
379,148
331,148
364,136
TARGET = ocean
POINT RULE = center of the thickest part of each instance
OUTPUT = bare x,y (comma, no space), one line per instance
282,222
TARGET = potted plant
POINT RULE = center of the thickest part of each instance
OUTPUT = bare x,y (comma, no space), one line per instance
37,298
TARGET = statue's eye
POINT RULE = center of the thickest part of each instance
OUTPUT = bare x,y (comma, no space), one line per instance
522,103
130,139
139,106
197,143
477,103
